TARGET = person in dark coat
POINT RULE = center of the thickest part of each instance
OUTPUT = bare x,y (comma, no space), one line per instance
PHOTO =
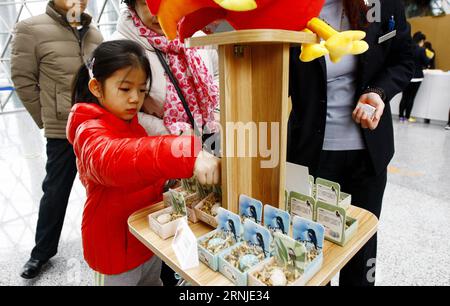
421,61
428,46
46,52
329,132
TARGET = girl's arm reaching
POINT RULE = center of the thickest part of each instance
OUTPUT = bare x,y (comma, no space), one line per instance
127,162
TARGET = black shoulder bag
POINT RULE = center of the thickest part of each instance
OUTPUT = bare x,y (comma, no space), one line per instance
214,148
178,89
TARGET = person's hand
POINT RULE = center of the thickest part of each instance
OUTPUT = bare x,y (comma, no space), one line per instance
207,169
362,118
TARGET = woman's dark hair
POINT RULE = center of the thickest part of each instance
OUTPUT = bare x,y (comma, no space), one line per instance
356,11
130,3
418,37
108,58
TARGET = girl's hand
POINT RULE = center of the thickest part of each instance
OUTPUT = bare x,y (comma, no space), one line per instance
362,118
207,169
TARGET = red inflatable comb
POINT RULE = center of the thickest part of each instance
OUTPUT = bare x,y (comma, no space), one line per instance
153,5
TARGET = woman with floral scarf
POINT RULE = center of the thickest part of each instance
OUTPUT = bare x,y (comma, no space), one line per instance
196,71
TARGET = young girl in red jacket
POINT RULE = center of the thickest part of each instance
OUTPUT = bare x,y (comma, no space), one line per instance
123,169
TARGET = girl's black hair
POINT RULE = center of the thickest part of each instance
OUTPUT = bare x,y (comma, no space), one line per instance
106,59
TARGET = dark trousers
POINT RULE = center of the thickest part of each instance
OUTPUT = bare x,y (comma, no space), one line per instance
168,276
61,171
407,103
353,171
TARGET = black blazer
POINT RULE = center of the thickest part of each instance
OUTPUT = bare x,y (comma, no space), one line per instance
387,66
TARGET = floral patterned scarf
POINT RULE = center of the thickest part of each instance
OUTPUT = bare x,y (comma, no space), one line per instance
196,83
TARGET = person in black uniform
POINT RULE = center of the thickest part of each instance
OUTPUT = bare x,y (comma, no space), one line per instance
329,132
421,61
429,46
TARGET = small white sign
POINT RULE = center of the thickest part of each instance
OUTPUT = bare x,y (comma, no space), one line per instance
184,245
297,179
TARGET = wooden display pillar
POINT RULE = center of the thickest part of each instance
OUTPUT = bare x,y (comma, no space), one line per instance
254,80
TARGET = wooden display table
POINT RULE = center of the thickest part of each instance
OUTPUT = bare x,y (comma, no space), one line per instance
335,257
254,81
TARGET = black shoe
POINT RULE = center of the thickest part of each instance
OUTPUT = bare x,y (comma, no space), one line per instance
32,268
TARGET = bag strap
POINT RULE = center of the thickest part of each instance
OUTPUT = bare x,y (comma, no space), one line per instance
178,89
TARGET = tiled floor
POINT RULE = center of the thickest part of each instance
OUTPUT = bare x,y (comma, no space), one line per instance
22,169
414,229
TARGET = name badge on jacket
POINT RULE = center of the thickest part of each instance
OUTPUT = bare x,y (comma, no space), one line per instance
387,36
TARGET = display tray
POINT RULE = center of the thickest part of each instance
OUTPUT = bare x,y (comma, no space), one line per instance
335,257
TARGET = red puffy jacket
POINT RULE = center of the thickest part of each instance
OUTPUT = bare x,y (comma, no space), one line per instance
123,170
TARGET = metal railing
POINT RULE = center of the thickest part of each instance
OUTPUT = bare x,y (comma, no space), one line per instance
105,13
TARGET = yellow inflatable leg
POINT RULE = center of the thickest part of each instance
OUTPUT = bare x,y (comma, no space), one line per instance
311,52
237,5
339,44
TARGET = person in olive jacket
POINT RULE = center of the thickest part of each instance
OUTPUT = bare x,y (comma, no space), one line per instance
47,51
329,131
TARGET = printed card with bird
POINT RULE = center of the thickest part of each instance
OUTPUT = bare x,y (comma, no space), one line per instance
289,252
309,233
276,220
178,202
250,208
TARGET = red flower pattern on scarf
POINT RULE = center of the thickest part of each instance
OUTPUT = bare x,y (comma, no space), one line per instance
195,81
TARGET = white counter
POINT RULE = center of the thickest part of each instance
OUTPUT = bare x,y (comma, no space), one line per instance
432,100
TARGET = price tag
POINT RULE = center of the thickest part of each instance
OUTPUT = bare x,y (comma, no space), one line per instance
327,194
333,223
302,209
